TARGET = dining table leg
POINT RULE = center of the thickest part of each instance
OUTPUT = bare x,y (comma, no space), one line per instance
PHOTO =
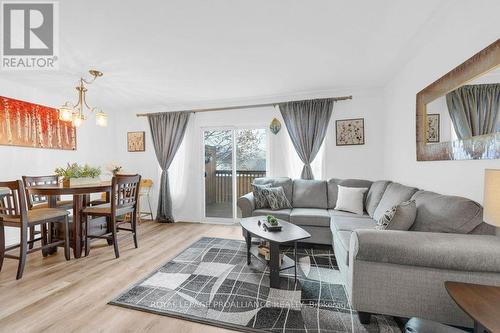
77,225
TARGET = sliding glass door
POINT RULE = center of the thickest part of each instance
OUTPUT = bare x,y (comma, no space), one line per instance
233,158
218,173
251,150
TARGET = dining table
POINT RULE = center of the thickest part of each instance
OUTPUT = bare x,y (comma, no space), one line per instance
81,199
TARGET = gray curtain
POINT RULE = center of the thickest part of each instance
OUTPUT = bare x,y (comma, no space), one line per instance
307,122
474,109
167,131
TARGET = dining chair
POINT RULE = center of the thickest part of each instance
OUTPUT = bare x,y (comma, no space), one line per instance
144,194
99,201
14,213
124,197
40,201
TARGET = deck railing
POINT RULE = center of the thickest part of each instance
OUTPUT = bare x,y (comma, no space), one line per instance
219,188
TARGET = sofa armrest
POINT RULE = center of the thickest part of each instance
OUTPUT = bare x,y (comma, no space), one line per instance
461,252
247,204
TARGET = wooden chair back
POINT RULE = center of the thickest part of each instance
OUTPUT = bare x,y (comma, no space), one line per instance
34,199
124,192
13,204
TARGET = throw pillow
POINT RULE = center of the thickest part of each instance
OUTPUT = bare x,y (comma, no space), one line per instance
350,199
259,196
276,198
399,217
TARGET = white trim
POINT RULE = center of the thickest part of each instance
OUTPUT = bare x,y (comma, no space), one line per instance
234,184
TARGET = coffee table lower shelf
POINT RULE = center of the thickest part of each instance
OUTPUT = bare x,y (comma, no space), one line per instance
286,263
273,264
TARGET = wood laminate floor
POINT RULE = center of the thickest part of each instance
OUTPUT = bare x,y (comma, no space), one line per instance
55,295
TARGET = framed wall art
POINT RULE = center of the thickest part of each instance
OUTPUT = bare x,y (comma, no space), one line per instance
136,141
350,132
433,128
26,124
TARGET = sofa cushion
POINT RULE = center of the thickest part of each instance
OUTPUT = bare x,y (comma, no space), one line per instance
484,229
283,214
333,188
342,239
309,194
400,217
310,216
334,212
375,195
474,254
345,223
446,213
284,182
394,194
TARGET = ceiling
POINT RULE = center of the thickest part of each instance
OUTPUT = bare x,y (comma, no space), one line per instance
164,53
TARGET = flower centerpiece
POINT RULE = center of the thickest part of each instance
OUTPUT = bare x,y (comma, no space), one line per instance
75,174
114,168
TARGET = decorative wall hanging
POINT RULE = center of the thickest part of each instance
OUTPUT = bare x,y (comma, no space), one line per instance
136,141
275,126
32,125
350,132
433,127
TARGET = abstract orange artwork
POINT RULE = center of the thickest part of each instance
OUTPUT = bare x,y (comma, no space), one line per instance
32,125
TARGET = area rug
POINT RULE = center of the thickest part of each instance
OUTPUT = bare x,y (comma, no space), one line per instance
210,282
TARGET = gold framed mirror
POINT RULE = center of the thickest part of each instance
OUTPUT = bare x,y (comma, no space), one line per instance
458,116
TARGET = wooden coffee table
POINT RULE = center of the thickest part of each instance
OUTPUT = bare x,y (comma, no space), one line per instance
289,234
480,302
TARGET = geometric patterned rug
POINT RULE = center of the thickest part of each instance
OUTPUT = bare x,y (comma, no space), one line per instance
210,282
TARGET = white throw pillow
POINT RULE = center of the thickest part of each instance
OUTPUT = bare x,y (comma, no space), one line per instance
350,199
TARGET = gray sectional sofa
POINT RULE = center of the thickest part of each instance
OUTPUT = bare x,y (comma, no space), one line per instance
399,273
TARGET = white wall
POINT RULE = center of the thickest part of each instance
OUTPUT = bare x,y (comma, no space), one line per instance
467,29
95,145
185,173
363,161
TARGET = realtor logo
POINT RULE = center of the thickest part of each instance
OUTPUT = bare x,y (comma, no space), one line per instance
30,35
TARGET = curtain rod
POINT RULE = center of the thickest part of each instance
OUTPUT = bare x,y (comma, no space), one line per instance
335,99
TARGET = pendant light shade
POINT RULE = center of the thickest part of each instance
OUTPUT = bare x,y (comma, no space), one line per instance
77,120
66,112
101,119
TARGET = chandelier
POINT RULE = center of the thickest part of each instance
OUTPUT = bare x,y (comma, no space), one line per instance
74,113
